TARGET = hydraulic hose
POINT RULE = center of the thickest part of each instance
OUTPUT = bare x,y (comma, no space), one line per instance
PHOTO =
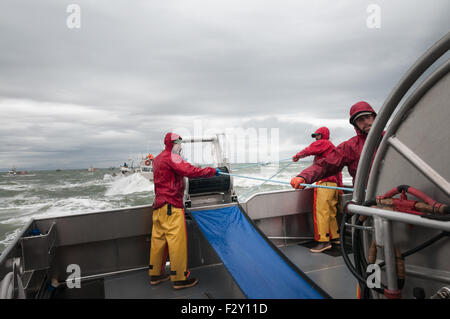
421,246
347,261
359,257
356,259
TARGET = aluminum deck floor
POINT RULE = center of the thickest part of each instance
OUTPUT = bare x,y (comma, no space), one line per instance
328,272
214,283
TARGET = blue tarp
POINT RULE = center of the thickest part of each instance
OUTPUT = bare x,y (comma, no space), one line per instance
256,266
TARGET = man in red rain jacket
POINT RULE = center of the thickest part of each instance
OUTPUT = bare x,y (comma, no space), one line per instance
347,153
169,226
325,200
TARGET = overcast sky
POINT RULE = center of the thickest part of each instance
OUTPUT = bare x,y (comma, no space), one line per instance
134,70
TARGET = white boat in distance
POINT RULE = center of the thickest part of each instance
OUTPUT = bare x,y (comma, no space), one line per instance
13,173
145,168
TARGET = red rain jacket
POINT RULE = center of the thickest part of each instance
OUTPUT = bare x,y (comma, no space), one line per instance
168,172
320,149
345,154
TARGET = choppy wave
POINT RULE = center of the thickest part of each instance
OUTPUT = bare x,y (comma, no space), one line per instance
68,185
8,238
51,194
15,187
123,185
61,207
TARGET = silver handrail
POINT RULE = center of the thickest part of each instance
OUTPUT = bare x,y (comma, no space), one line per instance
399,217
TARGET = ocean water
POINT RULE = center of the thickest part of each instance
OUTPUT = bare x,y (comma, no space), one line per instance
55,193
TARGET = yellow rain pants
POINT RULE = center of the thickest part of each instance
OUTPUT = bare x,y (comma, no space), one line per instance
325,209
169,236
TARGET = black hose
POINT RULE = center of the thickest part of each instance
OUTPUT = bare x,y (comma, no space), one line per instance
421,246
357,259
360,260
347,261
344,253
359,245
358,251
364,259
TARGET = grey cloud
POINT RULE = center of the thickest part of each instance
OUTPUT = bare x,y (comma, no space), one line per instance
136,69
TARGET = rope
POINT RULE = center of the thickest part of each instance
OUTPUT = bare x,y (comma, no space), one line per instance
261,164
251,165
259,186
287,183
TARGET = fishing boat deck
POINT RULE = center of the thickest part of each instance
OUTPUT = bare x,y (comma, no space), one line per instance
327,271
214,283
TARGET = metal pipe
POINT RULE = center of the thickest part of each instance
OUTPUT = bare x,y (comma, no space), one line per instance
420,164
398,120
102,275
399,217
427,273
217,150
199,139
389,255
359,227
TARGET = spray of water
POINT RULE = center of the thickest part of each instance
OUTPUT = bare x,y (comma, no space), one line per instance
134,183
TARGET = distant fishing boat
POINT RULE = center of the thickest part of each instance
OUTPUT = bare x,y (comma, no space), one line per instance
145,168
92,169
125,169
13,172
